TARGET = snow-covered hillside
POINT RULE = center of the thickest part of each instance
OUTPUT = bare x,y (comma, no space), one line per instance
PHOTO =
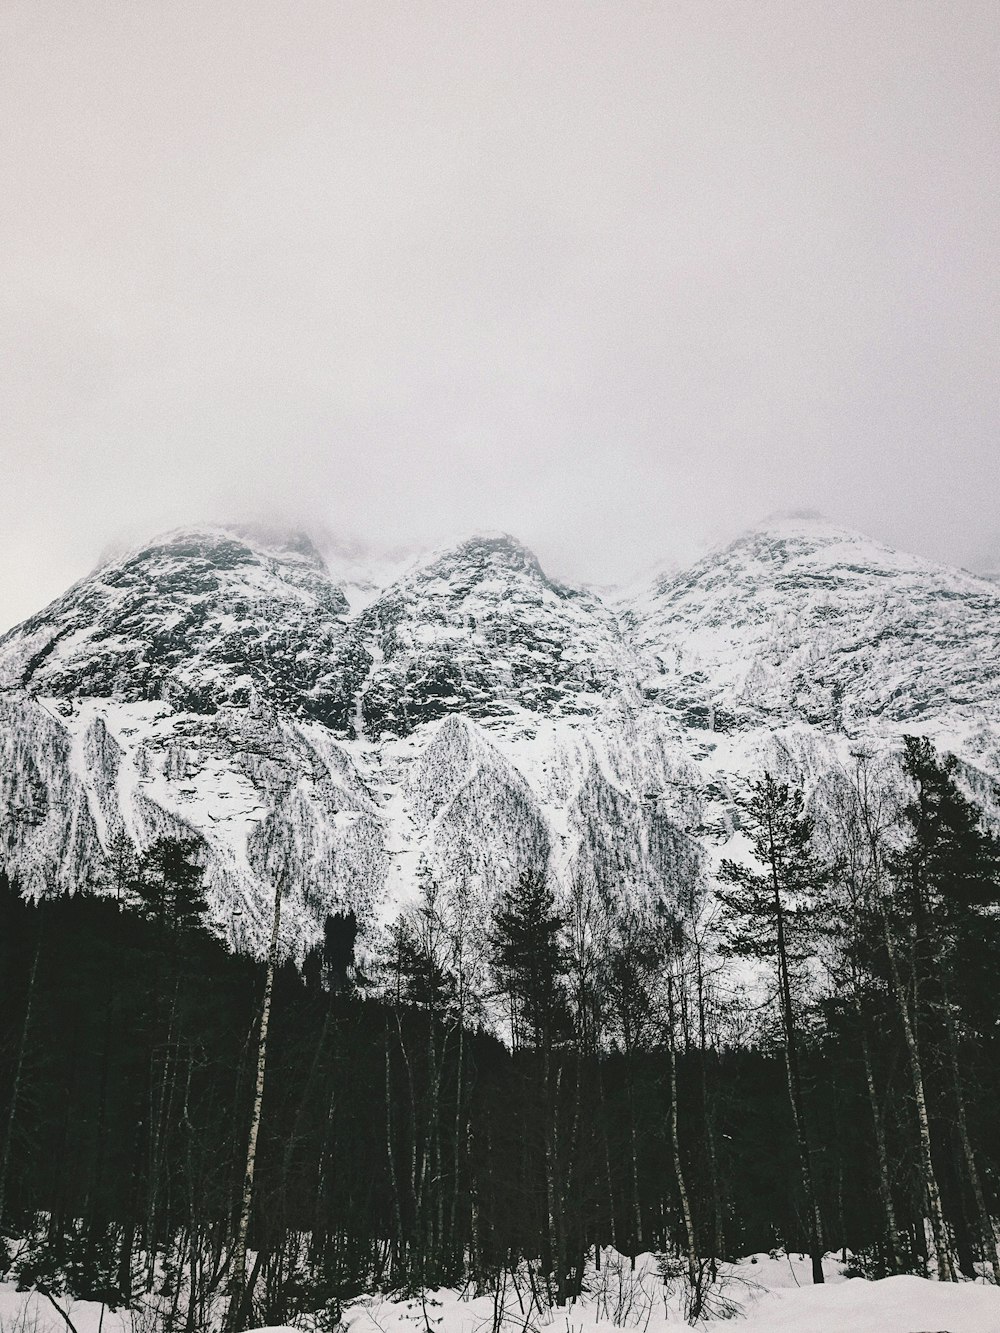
198,619
802,619
480,629
472,716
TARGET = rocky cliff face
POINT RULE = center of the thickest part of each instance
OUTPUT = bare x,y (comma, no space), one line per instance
482,631
198,619
800,619
471,719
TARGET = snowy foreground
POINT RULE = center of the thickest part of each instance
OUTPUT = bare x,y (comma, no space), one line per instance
767,1294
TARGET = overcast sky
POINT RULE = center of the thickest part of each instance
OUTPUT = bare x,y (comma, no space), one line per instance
616,277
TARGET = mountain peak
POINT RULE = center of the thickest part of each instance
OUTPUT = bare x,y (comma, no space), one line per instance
198,617
298,738
488,550
802,618
802,529
233,542
479,628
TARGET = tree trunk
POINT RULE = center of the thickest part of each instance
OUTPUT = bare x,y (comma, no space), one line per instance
557,1177
694,1312
608,1173
453,1241
550,1171
397,1206
891,1227
989,1240
15,1090
795,1090
238,1293
706,1103
633,1155
939,1233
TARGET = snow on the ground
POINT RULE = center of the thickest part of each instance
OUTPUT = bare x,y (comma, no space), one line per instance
766,1293
904,1304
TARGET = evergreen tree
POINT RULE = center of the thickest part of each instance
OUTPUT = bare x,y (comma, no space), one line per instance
528,955
947,877
340,933
771,916
950,863
167,888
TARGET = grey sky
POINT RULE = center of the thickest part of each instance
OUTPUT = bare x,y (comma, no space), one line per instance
613,276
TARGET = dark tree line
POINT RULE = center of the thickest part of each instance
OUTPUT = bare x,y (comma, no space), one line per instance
399,1143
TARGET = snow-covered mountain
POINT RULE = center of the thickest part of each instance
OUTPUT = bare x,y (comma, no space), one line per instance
463,713
199,619
802,619
481,630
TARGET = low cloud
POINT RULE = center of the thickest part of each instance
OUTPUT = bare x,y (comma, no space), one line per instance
618,279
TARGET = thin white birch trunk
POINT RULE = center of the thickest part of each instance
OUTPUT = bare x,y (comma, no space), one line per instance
237,1299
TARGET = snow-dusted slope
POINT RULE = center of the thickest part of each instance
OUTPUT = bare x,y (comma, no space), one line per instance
271,796
199,618
480,629
476,719
472,718
802,620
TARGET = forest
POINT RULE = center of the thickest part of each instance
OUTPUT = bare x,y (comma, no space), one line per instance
258,1138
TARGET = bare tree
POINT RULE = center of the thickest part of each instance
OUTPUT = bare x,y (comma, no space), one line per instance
239,1294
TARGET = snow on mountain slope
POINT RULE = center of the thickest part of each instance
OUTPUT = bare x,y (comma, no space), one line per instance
213,684
199,618
472,719
800,619
271,797
480,629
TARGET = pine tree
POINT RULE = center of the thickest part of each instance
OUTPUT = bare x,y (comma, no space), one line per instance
241,1289
528,955
946,872
167,888
771,917
340,933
